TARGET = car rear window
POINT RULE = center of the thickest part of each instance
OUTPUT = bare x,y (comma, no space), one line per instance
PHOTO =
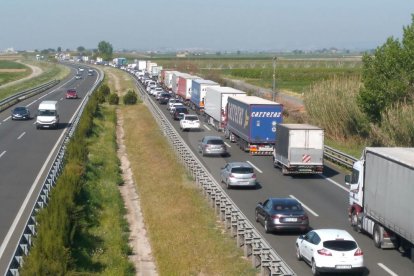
242,170
191,118
287,207
340,245
215,142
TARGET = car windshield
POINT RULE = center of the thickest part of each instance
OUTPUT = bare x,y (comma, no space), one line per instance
340,245
215,142
45,112
242,170
20,109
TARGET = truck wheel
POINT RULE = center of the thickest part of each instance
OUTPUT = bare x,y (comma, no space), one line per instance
377,236
354,222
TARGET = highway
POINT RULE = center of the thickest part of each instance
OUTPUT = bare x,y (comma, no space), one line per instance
324,197
26,155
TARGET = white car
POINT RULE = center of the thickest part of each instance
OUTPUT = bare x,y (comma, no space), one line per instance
171,102
174,106
330,250
189,122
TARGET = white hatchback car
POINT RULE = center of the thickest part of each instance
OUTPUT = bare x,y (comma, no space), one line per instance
330,250
189,122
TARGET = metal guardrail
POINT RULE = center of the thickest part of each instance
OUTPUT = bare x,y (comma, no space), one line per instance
254,245
339,157
9,101
25,242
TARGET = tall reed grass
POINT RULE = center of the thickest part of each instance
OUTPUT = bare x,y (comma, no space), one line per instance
332,105
397,126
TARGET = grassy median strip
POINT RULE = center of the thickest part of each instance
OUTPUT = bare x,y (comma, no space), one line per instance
185,236
101,246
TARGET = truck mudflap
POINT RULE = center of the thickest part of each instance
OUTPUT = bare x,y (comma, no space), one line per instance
261,150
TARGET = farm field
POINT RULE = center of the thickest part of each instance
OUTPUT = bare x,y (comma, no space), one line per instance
11,70
294,74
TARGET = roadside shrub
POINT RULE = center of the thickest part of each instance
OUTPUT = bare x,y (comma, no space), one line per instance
104,90
113,99
130,97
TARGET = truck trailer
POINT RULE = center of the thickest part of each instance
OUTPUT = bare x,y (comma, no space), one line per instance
251,123
199,88
299,149
215,102
380,197
184,87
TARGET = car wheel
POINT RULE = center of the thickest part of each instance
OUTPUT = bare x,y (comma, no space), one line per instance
354,222
256,216
314,269
202,153
298,255
377,236
266,226
228,185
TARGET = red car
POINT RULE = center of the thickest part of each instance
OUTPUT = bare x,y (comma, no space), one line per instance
71,94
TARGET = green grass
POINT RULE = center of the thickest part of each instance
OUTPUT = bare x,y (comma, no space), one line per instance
9,64
101,248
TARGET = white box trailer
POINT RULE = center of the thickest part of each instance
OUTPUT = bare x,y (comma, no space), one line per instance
142,65
381,194
168,79
214,100
299,149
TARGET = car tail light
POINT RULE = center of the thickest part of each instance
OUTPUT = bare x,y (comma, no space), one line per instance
358,252
304,217
276,217
231,175
324,252
254,175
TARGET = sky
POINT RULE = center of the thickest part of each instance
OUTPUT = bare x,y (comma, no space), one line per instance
215,25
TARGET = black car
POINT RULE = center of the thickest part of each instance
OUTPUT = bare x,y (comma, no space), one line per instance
20,113
164,98
277,214
179,112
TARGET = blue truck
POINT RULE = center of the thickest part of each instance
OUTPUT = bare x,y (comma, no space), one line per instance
198,93
251,123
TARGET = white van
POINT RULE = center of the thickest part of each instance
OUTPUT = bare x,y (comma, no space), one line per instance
47,115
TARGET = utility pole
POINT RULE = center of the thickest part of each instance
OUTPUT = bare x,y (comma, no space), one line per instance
274,78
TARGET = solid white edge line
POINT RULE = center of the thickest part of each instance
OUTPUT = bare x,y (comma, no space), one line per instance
257,169
336,183
387,269
227,144
306,207
3,153
6,240
206,127
21,135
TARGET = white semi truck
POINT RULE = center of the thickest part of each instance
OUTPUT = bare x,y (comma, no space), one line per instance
299,149
381,195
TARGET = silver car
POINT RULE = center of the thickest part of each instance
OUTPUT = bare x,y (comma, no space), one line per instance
212,145
238,174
